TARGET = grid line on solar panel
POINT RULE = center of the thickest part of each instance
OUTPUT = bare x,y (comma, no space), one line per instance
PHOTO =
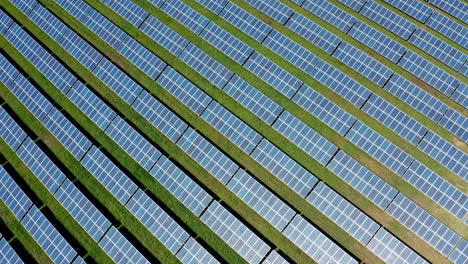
343,213
272,74
325,110
132,12
362,179
388,19
305,137
9,72
13,196
50,240
246,22
429,73
158,222
10,131
194,197
252,99
448,28
330,13
438,189
231,127
377,41
205,65
259,198
340,83
226,43
25,6
438,48
104,28
396,120
80,50
209,157
314,243
78,9
362,63
447,154
7,254
185,15
413,8
273,9
391,250
48,22
423,224
313,32
235,233
455,8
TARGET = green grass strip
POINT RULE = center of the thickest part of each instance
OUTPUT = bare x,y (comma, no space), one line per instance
32,250
419,155
313,122
257,222
71,226
122,217
394,67
344,144
333,181
157,138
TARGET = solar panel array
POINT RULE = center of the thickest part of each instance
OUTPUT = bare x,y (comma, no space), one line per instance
424,108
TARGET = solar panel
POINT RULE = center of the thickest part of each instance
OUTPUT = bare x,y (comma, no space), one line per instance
448,28
455,123
10,131
459,255
214,5
445,153
231,127
244,21
379,148
325,110
391,250
377,41
207,155
330,13
274,258
80,50
283,167
435,187
314,33
185,15
78,9
272,74
343,213
192,251
274,9
314,243
388,19
305,137
235,233
158,222
429,73
164,36
48,22
25,6
423,224
363,63
461,95
412,8
129,10
104,28
12,195
7,254
194,197
396,120
48,238
356,5
456,8
226,43
133,143
109,175
259,198
438,48
9,72
252,99
120,249
362,179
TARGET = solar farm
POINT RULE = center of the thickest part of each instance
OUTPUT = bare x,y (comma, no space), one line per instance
234,131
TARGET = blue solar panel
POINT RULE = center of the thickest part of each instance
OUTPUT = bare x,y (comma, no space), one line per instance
104,28
192,251
78,9
363,63
377,41
273,8
26,6
7,254
429,73
388,19
449,28
129,10
246,22
456,8
393,118
185,15
438,48
455,123
10,131
330,13
413,8
461,95
356,5
459,255
215,6
78,48
7,70
314,33
120,249
48,22
13,196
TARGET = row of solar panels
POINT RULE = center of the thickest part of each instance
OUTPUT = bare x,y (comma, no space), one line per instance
191,52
